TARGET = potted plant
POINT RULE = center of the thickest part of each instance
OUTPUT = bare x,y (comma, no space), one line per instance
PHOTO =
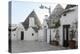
55,24
72,42
56,40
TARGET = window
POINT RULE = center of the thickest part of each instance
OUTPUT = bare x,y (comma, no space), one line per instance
64,15
32,34
14,34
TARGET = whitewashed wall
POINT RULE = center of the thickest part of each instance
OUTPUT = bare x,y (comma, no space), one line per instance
31,22
45,34
48,35
28,34
13,35
43,31
18,31
61,35
44,24
42,35
70,17
53,33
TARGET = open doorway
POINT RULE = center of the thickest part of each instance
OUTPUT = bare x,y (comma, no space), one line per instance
22,35
65,35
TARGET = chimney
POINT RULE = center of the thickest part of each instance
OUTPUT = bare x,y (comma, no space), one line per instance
46,16
31,22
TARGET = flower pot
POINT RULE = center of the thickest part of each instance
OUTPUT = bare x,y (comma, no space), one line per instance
72,44
54,42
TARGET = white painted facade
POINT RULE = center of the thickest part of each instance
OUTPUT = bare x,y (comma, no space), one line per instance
31,22
30,34
16,35
53,33
45,32
19,29
69,19
13,33
41,35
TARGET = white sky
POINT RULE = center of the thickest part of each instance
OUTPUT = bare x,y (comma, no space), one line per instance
21,9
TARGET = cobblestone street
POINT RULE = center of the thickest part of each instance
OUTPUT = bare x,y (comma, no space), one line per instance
32,46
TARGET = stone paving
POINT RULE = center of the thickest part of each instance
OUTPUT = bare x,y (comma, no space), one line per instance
32,46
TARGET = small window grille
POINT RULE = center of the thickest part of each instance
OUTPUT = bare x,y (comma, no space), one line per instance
32,34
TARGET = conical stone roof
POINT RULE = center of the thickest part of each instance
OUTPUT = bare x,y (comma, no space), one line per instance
58,10
26,22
